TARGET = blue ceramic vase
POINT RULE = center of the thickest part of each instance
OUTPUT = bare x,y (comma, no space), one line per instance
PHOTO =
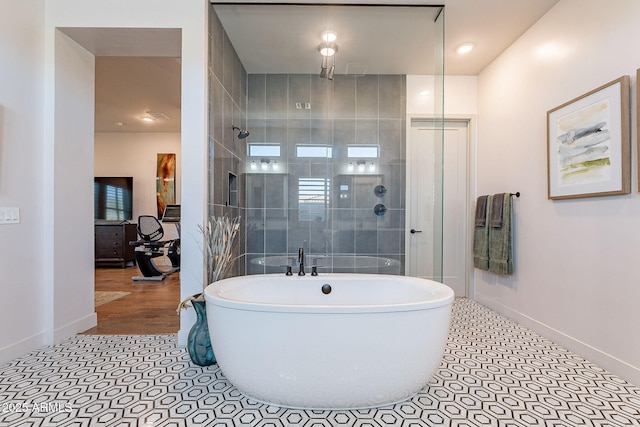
198,341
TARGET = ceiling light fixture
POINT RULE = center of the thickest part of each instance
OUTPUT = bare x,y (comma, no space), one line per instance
329,36
464,48
327,49
332,70
156,115
323,67
148,119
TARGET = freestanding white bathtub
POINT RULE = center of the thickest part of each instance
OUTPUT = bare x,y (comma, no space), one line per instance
371,340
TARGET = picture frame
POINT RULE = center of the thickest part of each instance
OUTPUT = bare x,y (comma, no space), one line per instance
589,144
165,181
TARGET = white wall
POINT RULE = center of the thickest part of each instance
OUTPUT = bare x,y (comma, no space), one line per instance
576,271
460,95
68,186
134,154
46,164
21,175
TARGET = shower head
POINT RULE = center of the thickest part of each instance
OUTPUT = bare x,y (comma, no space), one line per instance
242,134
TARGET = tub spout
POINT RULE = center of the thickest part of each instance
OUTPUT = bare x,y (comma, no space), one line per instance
301,261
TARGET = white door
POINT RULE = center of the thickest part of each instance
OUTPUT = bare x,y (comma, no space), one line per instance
437,203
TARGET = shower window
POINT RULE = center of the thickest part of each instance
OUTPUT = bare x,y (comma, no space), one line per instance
363,151
263,150
320,151
314,195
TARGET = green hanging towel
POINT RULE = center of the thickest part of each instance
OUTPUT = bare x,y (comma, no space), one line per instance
481,233
501,238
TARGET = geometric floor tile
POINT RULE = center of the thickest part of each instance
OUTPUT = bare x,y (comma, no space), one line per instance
494,373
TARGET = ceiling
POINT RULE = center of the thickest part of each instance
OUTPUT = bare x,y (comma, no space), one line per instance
138,70
284,39
130,88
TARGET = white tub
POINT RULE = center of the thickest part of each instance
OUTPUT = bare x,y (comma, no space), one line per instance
373,340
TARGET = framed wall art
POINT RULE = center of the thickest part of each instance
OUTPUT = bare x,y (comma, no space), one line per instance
165,181
589,145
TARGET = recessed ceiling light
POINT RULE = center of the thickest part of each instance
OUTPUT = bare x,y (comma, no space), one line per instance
148,119
425,92
118,123
464,48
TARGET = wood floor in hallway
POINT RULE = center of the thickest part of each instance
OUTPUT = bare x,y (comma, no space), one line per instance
150,308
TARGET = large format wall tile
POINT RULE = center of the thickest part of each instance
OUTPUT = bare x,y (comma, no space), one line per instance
363,110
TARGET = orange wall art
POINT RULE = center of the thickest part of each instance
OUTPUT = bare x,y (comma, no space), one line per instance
165,181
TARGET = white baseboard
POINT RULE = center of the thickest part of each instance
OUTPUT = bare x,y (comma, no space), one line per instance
614,365
70,329
187,320
15,350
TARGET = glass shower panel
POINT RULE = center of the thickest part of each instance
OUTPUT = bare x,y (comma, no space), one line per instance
326,157
424,234
438,228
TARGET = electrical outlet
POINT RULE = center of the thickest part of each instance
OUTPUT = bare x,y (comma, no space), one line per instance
9,215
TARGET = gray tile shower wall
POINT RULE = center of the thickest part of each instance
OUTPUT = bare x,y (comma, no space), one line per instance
325,201
227,153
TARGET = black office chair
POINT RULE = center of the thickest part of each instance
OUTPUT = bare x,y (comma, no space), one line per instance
150,246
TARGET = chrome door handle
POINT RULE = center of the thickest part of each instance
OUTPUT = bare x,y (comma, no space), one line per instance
414,231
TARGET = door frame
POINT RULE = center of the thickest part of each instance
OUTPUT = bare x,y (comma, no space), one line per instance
64,281
471,120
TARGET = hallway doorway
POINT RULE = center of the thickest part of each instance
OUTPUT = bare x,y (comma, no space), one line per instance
135,74
137,122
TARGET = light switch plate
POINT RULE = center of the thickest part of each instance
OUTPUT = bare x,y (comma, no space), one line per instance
9,215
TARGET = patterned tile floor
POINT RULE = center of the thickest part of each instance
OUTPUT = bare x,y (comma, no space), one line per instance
494,373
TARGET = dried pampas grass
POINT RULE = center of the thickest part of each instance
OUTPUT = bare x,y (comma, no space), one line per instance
219,243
